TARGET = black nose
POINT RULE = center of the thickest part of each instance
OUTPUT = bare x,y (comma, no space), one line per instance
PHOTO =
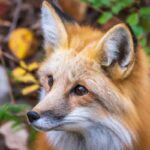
33,116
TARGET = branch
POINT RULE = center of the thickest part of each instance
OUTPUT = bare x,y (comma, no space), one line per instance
15,19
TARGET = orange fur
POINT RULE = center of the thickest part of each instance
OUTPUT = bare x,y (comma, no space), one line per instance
127,91
41,143
77,11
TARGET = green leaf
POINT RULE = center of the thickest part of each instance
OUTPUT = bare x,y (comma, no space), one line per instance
133,19
144,11
138,30
9,112
147,49
105,3
117,8
126,2
105,17
145,22
143,42
95,3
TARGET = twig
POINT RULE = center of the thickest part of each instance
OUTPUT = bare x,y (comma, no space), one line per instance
9,56
15,19
4,65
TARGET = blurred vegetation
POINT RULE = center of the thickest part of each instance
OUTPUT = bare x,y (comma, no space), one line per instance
133,12
21,38
9,112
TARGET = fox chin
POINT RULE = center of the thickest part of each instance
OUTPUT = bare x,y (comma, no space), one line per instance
95,87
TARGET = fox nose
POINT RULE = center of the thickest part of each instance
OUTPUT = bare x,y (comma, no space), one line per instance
33,116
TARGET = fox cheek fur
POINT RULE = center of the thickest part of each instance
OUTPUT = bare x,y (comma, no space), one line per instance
95,87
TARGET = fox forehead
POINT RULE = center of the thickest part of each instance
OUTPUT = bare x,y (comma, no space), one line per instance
81,36
78,55
67,63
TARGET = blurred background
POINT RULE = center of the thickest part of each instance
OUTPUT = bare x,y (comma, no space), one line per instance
21,53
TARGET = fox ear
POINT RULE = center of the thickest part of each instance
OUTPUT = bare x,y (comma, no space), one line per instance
53,26
118,51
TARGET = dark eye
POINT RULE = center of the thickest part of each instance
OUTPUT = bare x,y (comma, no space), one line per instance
79,90
50,80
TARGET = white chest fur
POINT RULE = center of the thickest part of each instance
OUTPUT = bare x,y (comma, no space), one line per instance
98,137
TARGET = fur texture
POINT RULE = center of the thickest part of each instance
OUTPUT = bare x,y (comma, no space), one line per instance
114,114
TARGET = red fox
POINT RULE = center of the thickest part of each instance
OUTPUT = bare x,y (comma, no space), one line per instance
95,87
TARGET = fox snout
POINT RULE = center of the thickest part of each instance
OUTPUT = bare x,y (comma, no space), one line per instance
32,116
44,121
47,115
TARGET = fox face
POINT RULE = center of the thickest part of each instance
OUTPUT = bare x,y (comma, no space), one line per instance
83,79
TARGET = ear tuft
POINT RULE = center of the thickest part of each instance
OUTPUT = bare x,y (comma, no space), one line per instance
117,46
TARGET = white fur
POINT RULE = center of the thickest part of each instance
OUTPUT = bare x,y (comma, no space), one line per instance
87,131
112,43
50,27
42,94
112,50
66,140
94,134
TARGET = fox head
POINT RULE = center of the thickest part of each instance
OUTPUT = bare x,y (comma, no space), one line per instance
80,78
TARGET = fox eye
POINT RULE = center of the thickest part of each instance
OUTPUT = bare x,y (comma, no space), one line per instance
50,80
79,90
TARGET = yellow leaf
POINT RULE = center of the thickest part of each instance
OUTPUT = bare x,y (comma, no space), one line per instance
30,89
22,43
17,72
23,65
33,66
27,78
